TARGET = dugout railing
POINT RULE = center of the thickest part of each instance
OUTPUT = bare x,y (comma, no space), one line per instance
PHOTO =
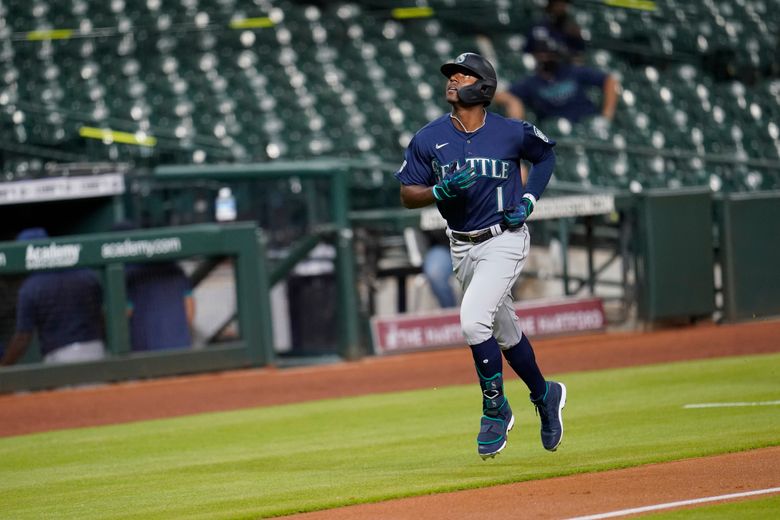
255,270
107,254
320,211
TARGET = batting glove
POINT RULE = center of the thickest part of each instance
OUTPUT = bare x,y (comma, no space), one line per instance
516,216
456,184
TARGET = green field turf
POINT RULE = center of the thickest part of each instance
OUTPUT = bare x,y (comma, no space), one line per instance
284,459
743,509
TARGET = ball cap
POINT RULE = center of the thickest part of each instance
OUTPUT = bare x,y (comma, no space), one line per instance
34,233
470,62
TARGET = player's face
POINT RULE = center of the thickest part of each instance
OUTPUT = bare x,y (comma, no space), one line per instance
456,81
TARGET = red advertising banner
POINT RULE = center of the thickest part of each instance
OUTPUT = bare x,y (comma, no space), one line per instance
404,333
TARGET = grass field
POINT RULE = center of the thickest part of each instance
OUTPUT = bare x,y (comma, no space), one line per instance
284,459
741,510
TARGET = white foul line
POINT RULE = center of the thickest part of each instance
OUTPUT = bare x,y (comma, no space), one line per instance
726,405
669,505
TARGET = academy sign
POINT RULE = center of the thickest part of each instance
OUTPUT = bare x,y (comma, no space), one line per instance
135,248
53,255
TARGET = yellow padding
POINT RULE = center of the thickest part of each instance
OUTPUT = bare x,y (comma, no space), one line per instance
643,5
114,136
403,13
252,23
53,34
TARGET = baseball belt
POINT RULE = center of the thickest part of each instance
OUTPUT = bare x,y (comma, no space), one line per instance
476,237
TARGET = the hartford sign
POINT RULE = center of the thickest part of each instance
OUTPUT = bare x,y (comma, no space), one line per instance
404,333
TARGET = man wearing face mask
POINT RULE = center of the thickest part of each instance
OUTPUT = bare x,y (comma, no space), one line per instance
558,89
557,24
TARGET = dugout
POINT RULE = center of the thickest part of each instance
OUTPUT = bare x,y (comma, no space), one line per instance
312,296
107,253
675,254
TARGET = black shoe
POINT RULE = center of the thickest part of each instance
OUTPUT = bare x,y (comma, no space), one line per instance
549,409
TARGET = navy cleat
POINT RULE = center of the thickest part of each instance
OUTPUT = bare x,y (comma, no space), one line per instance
497,418
494,426
549,409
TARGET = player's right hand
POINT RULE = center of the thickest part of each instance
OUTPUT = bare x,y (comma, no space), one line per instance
456,184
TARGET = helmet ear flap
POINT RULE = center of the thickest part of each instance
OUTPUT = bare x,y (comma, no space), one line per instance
481,92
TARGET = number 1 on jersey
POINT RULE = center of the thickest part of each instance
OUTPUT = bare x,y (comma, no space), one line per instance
500,199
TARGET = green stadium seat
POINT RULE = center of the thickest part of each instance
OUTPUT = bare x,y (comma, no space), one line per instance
344,79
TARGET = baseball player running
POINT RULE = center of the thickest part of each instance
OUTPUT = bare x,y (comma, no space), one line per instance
467,162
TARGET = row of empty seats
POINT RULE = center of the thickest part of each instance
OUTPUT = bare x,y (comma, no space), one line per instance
348,80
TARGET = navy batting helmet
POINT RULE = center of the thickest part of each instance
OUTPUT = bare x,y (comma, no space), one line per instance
484,89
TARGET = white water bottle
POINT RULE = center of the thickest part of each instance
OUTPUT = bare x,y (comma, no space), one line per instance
225,205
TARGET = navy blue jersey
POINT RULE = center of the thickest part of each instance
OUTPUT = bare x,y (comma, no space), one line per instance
64,307
157,291
563,96
495,150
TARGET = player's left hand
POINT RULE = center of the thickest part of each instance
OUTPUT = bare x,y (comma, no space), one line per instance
516,216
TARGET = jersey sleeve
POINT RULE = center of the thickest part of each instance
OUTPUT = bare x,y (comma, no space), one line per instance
415,169
537,148
184,282
535,143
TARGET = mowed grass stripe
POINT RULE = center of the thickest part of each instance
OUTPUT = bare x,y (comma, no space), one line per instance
284,459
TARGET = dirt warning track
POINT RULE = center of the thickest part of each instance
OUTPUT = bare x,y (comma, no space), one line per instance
170,397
